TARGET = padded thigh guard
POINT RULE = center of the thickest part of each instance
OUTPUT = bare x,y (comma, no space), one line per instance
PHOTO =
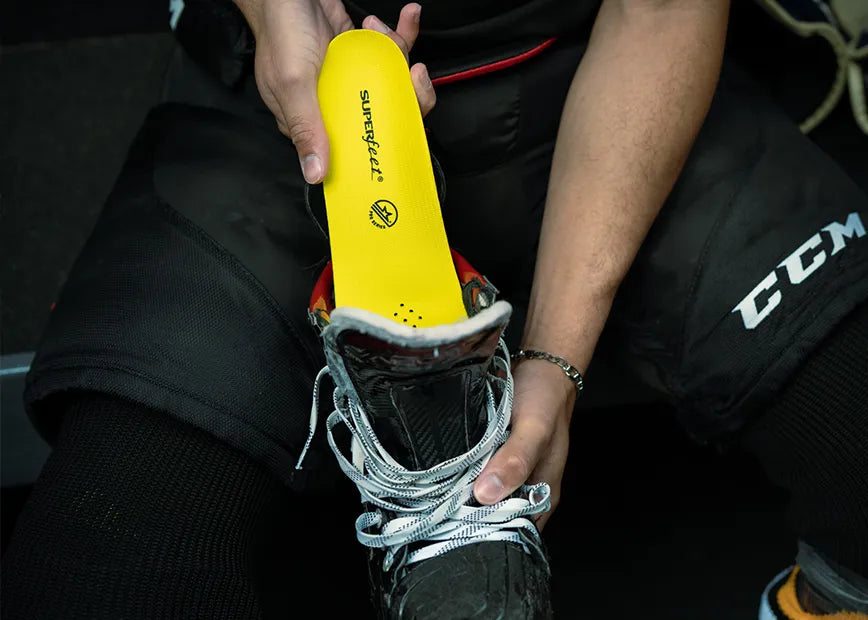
758,253
190,295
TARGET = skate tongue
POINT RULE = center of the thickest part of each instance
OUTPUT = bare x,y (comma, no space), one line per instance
424,390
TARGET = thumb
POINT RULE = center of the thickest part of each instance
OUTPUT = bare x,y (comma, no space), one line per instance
304,126
512,464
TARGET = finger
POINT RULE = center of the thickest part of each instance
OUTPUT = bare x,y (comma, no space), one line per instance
551,470
512,464
408,24
302,123
337,16
372,22
423,87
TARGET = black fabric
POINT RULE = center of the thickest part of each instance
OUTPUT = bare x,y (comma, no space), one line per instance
216,35
137,515
756,214
813,441
157,312
457,35
445,14
190,295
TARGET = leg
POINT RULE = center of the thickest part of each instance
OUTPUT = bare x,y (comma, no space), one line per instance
757,203
139,515
200,266
174,379
811,441
188,300
759,253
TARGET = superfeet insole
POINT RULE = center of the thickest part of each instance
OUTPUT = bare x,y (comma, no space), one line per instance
389,249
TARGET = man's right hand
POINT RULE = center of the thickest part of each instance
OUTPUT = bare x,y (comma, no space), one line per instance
291,41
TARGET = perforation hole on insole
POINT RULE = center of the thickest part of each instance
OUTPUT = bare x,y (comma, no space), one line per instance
408,316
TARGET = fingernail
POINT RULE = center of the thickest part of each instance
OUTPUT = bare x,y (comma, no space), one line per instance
488,489
379,26
418,17
311,168
426,79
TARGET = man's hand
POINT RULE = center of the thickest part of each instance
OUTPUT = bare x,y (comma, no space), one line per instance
536,450
291,41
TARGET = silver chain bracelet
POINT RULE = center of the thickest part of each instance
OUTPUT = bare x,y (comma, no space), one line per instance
570,371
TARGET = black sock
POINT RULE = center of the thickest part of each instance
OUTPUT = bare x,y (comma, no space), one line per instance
813,441
137,515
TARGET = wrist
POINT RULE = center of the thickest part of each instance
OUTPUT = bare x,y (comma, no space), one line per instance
570,372
548,377
571,335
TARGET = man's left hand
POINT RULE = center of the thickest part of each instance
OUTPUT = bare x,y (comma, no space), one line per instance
536,450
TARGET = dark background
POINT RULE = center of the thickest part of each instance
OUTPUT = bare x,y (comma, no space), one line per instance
653,525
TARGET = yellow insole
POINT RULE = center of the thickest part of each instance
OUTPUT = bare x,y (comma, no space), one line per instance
389,248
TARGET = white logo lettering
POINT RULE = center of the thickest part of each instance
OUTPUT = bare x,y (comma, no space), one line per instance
747,306
853,226
796,270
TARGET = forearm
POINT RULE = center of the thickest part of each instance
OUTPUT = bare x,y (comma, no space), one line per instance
632,113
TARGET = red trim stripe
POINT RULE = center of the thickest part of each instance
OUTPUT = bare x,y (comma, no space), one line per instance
495,66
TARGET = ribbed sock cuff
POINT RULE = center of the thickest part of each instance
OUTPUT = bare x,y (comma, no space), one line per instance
814,442
138,515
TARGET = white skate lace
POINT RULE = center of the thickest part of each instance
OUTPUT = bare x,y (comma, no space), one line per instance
430,507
